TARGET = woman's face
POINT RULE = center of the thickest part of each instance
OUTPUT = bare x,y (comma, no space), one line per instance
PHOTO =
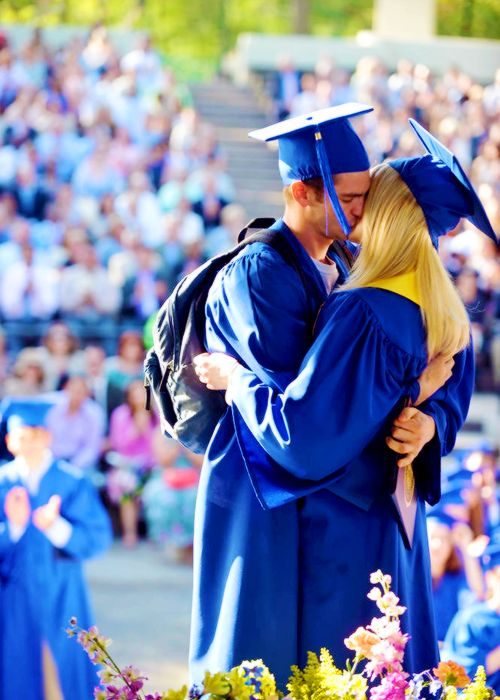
440,543
136,394
132,349
59,341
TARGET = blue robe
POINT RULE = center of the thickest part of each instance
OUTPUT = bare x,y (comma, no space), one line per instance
249,564
42,587
329,426
474,632
450,594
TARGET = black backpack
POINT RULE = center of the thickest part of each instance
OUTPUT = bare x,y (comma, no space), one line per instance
189,412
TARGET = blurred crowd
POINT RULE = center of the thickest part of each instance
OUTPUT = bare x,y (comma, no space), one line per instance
112,188
464,115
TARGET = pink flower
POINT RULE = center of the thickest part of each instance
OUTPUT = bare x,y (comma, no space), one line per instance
388,604
392,687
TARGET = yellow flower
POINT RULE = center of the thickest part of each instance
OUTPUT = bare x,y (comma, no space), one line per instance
478,690
451,673
176,694
216,684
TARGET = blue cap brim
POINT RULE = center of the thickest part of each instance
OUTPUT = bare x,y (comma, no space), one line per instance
435,148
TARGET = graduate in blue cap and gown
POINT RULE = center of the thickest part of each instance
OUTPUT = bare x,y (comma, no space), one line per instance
51,521
473,638
456,575
328,428
248,574
246,558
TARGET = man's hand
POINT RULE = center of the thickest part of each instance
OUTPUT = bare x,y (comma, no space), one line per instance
411,430
17,506
437,373
45,516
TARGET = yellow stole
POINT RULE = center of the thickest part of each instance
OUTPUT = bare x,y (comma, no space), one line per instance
405,285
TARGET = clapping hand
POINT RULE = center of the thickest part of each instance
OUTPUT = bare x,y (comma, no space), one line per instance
45,516
17,506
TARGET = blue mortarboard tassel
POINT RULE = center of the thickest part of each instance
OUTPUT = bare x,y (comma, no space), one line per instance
328,181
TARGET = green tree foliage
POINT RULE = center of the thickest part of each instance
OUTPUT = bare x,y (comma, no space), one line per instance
203,30
475,18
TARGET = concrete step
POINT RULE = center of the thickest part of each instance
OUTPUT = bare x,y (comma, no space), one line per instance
234,111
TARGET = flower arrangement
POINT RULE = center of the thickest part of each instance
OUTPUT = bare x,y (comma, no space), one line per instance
376,671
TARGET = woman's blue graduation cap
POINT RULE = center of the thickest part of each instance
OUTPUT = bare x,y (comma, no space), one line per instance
441,188
320,144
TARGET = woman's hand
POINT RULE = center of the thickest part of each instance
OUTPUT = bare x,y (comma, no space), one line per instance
437,373
215,369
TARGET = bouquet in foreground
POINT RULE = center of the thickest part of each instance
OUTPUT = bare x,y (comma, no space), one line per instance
375,672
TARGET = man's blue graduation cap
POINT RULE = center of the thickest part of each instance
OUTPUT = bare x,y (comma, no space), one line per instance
320,144
24,412
441,188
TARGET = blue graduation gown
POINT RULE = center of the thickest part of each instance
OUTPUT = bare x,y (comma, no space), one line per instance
450,594
474,632
42,587
246,588
327,431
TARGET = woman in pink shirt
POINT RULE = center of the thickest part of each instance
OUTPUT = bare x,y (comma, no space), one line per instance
131,432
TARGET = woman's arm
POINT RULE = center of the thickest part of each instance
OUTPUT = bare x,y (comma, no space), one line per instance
350,381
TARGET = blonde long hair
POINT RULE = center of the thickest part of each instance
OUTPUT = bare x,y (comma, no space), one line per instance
396,240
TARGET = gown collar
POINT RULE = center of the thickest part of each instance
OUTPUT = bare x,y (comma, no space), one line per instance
405,285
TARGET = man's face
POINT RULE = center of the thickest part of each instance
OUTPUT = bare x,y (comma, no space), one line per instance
351,189
26,441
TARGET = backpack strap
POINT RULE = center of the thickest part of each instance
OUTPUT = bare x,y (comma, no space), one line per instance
273,238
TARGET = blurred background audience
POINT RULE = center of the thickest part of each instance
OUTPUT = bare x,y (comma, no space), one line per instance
112,187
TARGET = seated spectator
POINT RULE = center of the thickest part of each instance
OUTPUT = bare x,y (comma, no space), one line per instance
52,520
31,198
233,219
94,369
29,296
209,203
139,209
90,302
130,454
146,289
285,86
77,425
28,377
473,638
193,244
169,497
456,575
60,354
124,367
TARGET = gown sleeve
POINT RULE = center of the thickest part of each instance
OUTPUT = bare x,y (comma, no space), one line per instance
351,380
90,526
269,329
448,407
